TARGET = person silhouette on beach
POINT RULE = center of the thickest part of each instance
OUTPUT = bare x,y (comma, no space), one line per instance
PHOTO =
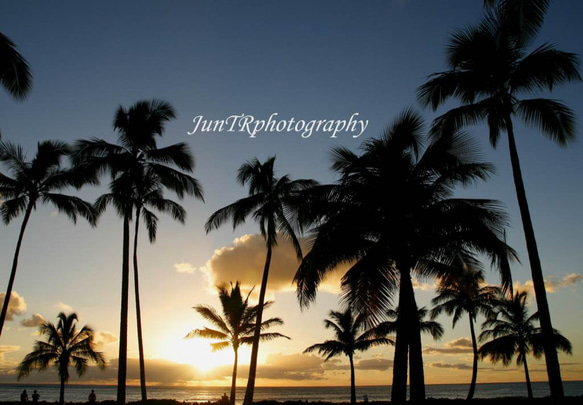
24,396
35,396
92,397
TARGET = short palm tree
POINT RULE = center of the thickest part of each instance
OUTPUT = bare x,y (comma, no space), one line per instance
490,69
137,167
235,327
512,332
392,214
15,74
350,338
32,182
269,203
464,291
64,346
389,327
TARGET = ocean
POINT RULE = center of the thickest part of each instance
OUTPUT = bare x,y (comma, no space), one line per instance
79,393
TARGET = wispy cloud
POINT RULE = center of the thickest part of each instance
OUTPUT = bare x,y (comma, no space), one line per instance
184,267
456,346
552,283
456,366
64,307
7,349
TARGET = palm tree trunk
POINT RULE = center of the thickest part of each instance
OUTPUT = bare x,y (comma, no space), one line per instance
234,378
255,349
352,381
29,209
417,375
62,392
123,323
399,386
551,357
475,362
528,384
138,312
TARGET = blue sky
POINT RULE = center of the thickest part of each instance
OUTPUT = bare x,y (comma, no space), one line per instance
302,59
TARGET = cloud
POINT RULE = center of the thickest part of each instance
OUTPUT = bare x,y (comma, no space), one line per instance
244,261
7,349
103,338
184,267
377,364
456,346
33,322
16,307
552,283
160,372
457,366
64,307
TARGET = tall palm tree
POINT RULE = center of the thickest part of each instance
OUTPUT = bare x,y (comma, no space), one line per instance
392,214
64,346
269,203
350,338
513,333
235,327
148,194
490,69
15,74
135,158
32,182
465,291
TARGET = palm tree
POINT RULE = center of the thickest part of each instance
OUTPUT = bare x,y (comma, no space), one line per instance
389,327
235,327
349,340
464,291
269,203
64,346
137,165
148,194
392,214
490,68
513,333
36,181
522,17
15,74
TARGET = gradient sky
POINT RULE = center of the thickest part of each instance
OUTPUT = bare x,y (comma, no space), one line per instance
302,59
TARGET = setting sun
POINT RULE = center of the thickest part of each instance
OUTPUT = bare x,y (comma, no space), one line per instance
197,352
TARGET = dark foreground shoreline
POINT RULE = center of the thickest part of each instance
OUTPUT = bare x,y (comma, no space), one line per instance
429,401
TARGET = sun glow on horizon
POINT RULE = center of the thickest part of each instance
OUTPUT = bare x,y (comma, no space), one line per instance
196,352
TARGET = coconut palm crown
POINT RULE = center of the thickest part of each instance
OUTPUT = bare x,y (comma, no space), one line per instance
65,346
34,182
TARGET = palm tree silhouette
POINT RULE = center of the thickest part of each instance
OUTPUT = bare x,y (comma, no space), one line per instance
148,194
490,68
389,327
33,182
350,338
269,203
64,346
15,74
464,291
391,214
235,327
513,333
139,171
